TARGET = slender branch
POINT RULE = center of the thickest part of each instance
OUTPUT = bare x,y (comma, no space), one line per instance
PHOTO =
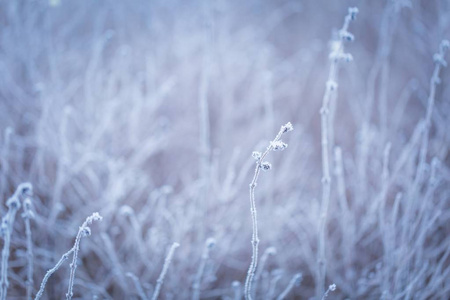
336,56
296,280
82,232
27,215
167,262
137,285
50,272
13,203
209,244
269,251
237,291
331,288
276,144
439,60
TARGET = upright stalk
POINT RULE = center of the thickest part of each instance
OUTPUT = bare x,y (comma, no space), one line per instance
13,203
275,145
27,215
336,56
83,231
167,262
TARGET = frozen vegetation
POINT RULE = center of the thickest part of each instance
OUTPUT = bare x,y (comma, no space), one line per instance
156,117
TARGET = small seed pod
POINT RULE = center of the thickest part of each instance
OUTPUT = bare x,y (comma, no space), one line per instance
278,145
86,231
256,155
266,166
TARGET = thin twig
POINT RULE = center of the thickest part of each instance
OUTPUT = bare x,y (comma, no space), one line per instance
276,144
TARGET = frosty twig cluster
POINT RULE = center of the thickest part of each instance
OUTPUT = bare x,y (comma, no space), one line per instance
83,231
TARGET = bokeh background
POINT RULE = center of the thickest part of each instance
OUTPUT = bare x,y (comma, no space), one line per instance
147,111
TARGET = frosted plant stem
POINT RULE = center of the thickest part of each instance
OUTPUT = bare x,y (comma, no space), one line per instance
204,86
260,164
269,251
117,269
27,215
13,203
294,281
236,285
347,218
331,118
273,284
83,231
204,120
167,262
331,288
382,53
62,166
5,257
440,62
201,268
439,59
137,285
336,56
50,272
5,163
382,220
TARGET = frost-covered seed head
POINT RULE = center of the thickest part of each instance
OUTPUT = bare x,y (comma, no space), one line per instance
332,287
445,45
439,59
13,202
278,145
353,11
266,166
96,217
256,155
210,243
24,189
271,250
29,214
338,56
27,207
126,211
345,35
86,231
287,127
332,85
347,57
235,284
27,203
